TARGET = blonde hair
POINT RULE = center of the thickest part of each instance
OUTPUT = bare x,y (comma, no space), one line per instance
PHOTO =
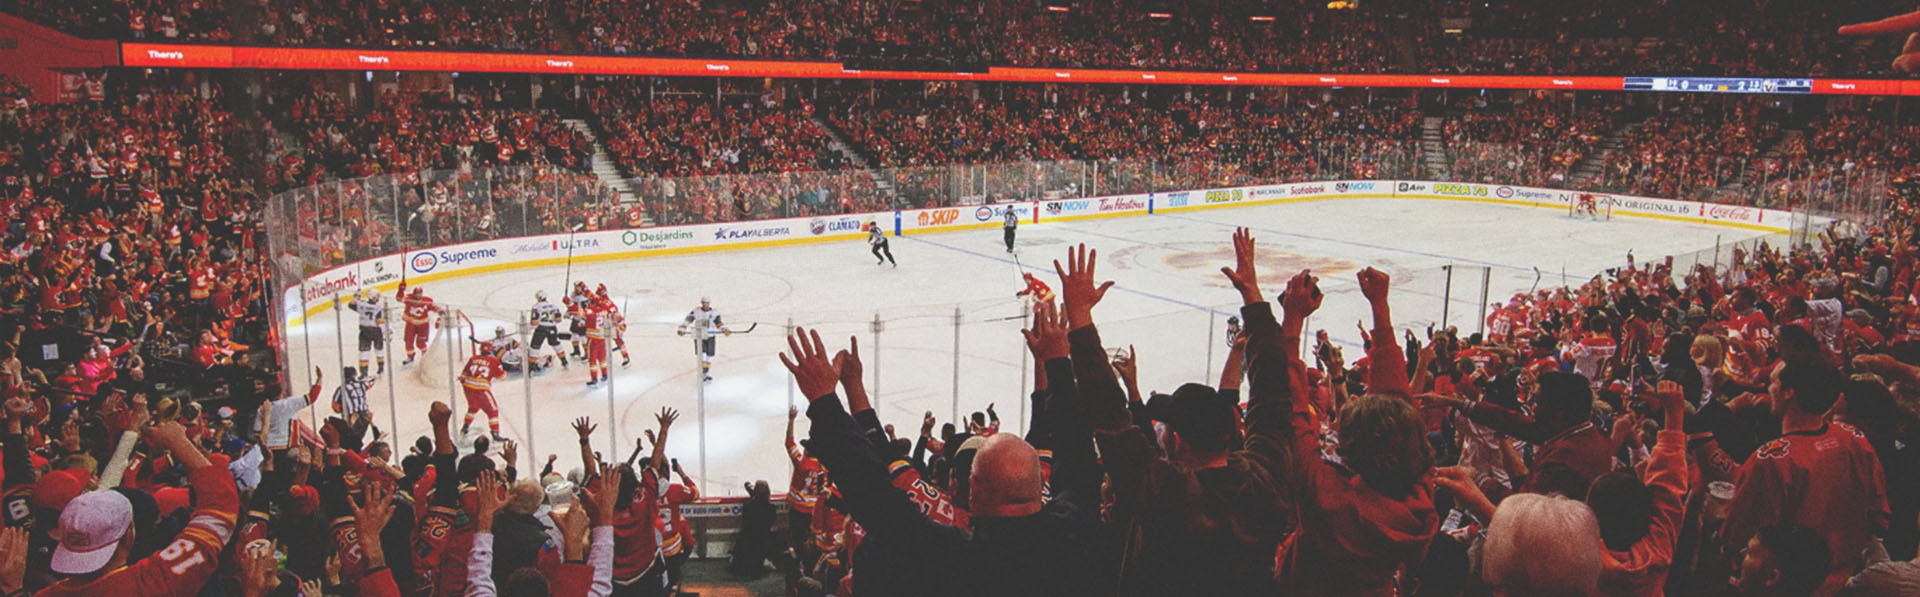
1708,351
1543,545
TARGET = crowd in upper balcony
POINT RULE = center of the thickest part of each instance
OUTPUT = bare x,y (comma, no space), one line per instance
1793,38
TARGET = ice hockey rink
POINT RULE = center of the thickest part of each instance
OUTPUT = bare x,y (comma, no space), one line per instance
947,338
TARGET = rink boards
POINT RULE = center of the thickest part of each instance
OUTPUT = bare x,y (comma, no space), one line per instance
318,292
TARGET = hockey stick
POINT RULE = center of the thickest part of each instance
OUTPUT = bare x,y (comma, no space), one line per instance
749,329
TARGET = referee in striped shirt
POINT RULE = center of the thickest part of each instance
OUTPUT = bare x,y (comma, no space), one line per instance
350,400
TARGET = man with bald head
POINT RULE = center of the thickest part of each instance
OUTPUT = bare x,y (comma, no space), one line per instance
1019,543
518,535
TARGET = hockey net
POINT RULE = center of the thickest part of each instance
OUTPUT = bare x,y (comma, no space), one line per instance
438,367
1592,206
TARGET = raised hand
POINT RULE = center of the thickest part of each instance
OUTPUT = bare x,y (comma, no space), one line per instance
1243,276
926,424
1127,366
584,427
13,559
487,490
806,359
666,418
1077,288
1048,337
258,569
510,450
439,414
1302,296
599,496
1373,284
848,362
1909,24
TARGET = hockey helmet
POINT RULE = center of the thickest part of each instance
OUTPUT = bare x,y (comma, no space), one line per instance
418,292
539,295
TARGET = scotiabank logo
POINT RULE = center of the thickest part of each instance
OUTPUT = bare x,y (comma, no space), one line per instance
938,217
159,55
1310,189
319,290
1729,212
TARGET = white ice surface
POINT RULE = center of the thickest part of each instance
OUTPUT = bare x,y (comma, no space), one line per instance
1170,301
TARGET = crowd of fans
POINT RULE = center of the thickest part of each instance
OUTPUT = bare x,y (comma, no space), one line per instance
417,168
1794,38
1539,140
1743,430
130,243
1692,146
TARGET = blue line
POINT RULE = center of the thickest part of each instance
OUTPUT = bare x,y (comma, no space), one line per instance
1357,244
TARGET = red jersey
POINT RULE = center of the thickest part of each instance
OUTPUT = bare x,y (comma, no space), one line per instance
202,286
346,544
1038,290
595,318
806,472
675,536
636,532
186,564
418,310
1826,479
430,544
932,501
480,372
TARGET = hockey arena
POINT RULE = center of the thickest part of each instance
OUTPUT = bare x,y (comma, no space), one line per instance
939,332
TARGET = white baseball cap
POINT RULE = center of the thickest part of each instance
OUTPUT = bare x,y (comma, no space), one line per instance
91,526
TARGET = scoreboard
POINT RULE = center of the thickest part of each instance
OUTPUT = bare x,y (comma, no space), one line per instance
1720,85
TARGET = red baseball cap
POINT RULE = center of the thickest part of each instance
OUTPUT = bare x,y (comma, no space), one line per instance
55,489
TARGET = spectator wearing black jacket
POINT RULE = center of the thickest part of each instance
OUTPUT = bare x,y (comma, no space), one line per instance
1019,544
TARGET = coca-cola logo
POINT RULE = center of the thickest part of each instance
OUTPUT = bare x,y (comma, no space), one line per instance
1730,212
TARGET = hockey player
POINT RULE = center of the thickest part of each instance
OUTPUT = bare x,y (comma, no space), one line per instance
1036,291
706,324
597,316
546,331
418,314
477,380
878,240
373,328
577,303
619,324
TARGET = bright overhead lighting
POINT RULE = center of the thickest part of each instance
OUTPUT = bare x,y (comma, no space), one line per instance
1263,18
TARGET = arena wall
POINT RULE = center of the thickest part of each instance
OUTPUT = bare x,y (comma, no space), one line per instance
317,292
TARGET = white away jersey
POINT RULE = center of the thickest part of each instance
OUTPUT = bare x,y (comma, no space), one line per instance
705,319
372,313
1590,357
548,314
